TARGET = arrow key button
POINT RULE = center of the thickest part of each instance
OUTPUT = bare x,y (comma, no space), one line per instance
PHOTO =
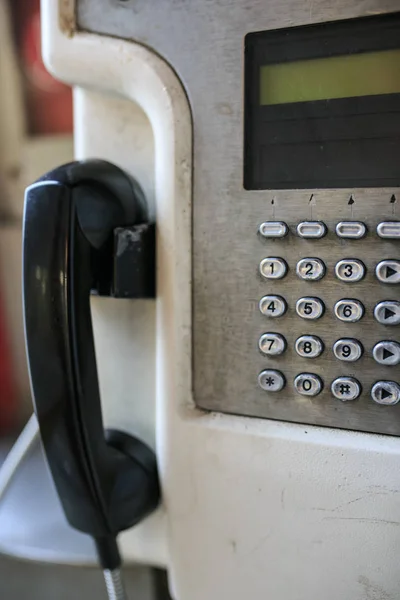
386,353
385,392
387,312
388,271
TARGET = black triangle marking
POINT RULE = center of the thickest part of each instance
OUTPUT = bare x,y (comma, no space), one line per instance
390,272
385,394
393,199
387,354
388,313
351,201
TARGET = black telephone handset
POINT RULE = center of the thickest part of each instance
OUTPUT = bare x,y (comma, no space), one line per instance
106,481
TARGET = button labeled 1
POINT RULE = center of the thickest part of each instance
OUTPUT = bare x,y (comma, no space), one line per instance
310,308
272,344
387,312
273,306
273,268
308,384
310,269
346,388
349,310
309,346
347,349
271,380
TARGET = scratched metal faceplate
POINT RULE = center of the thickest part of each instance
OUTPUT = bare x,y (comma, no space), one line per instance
203,41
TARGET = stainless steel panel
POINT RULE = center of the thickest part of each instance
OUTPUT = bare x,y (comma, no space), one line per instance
203,41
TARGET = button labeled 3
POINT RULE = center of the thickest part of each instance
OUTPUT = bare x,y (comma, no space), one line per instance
310,308
308,384
272,344
273,306
387,312
385,392
346,388
350,270
349,310
309,346
271,380
386,353
347,349
310,269
388,271
273,268
273,229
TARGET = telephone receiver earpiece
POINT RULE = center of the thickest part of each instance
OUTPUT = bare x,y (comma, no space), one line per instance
106,481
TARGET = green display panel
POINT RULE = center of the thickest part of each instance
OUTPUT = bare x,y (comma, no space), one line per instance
364,74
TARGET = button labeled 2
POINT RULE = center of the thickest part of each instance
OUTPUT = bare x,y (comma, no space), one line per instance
310,269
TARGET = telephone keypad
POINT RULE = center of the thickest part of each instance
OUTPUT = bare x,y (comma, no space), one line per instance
310,308
349,310
272,344
310,269
273,268
350,270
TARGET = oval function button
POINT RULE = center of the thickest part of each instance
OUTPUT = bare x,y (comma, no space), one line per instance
389,230
271,380
273,229
309,346
310,308
350,270
308,384
349,310
310,269
353,230
347,349
386,353
388,271
272,344
387,312
346,388
273,268
311,229
273,306
385,392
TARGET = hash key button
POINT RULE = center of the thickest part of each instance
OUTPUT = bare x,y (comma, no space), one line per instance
346,388
388,271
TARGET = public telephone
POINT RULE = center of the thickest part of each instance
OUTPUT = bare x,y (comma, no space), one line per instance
266,138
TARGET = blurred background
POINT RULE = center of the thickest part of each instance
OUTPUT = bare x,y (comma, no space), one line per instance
35,136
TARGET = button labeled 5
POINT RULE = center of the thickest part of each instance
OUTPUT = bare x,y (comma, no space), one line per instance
273,268
310,308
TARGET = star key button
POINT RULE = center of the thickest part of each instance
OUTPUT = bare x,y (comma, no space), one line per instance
270,380
388,271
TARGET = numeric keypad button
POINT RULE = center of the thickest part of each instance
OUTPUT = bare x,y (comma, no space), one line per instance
310,269
388,271
310,308
385,392
273,306
347,349
272,344
387,353
349,310
273,268
308,384
309,346
346,388
350,270
271,380
387,312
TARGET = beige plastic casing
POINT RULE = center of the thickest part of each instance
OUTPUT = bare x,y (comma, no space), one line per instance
251,508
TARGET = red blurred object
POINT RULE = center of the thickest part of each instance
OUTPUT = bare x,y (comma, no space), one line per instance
48,101
8,392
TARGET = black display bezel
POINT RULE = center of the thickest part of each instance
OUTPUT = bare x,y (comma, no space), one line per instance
336,143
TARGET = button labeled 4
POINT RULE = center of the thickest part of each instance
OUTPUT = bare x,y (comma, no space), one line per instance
273,306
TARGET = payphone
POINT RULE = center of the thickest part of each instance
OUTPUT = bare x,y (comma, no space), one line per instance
267,134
